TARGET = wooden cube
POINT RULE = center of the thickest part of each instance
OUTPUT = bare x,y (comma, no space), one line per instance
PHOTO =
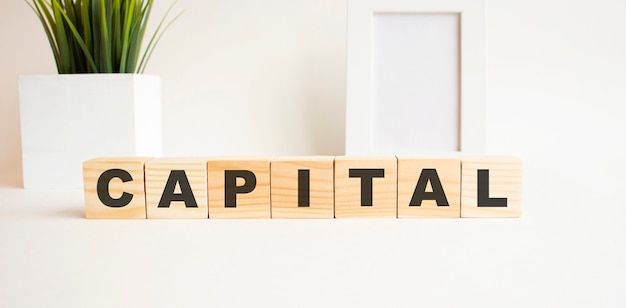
239,187
176,188
114,187
491,186
302,187
429,187
365,186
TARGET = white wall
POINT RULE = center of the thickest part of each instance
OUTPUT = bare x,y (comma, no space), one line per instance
556,97
279,65
555,76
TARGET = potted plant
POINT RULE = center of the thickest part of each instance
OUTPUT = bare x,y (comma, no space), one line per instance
100,103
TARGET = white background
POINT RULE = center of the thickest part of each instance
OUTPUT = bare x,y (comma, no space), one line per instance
556,97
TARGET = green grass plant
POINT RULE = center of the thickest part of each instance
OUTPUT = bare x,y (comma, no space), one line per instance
99,36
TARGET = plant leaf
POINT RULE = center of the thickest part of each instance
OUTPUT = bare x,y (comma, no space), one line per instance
79,40
148,53
99,36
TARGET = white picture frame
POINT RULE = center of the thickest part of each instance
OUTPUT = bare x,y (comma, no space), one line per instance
471,70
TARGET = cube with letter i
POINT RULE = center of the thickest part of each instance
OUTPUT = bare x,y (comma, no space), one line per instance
302,187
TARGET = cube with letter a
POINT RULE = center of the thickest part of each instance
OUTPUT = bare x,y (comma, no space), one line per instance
429,187
114,187
176,188
365,186
302,187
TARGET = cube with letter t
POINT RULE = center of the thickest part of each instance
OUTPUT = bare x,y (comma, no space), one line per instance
365,186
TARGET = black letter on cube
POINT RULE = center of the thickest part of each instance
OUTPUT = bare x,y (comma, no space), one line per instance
420,193
304,179
186,194
366,176
483,192
230,185
102,188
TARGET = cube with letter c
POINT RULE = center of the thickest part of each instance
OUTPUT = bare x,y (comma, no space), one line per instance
114,187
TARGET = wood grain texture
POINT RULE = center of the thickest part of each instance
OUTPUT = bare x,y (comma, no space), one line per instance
94,168
449,173
348,201
505,181
157,173
284,187
254,204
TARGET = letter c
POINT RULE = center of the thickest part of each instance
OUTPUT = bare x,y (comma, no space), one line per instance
103,188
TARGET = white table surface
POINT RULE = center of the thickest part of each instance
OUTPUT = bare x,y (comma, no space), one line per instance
568,250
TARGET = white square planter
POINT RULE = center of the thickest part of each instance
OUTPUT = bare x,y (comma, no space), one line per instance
66,119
